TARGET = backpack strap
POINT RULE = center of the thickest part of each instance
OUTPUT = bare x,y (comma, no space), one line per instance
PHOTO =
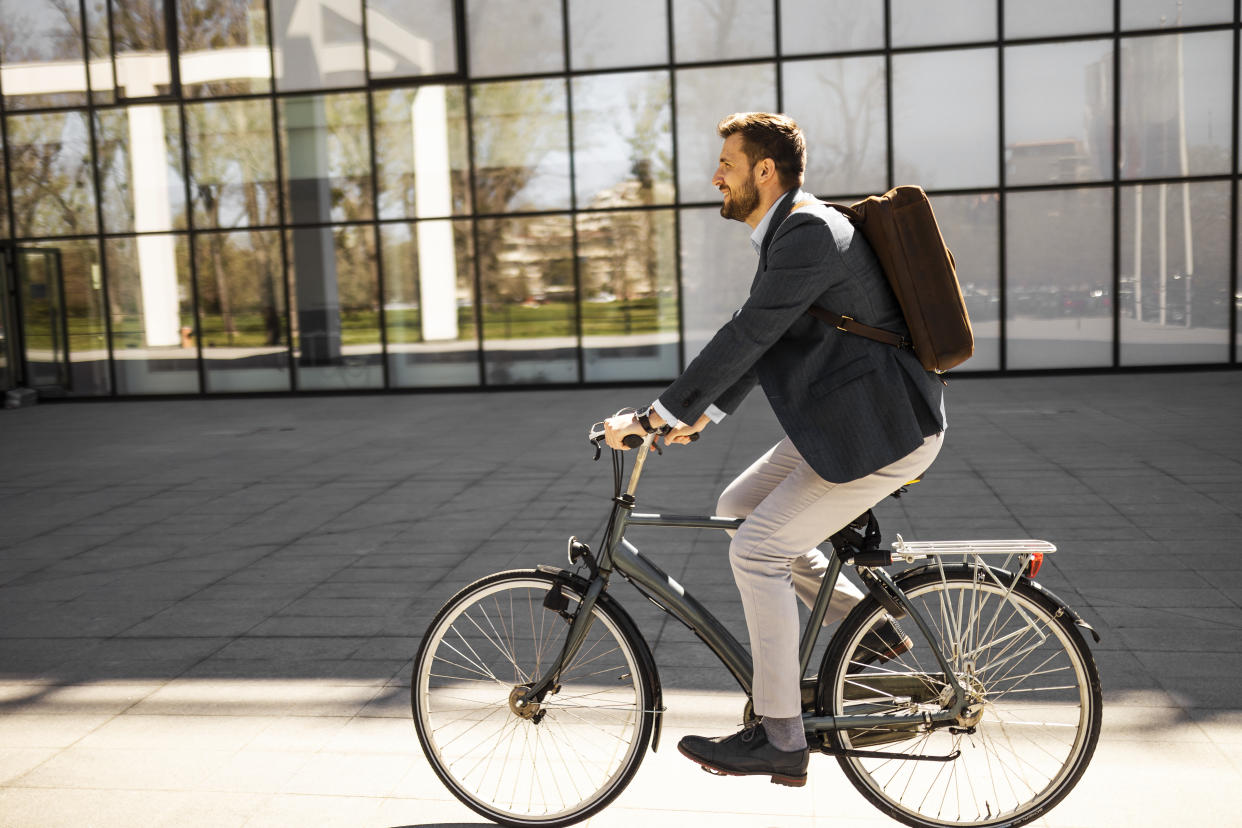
847,323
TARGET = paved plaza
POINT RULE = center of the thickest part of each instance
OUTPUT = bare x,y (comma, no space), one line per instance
208,607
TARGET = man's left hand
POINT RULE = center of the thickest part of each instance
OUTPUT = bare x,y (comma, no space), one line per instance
618,426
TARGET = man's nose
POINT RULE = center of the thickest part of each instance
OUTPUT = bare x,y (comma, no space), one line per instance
718,178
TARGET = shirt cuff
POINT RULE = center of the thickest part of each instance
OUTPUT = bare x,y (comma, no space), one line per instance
666,414
715,414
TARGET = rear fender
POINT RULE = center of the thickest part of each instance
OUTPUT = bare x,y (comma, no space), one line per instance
1004,576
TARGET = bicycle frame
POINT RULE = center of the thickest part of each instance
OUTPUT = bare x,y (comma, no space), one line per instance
619,555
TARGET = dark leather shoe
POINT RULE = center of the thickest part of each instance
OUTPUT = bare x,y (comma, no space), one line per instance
882,644
747,753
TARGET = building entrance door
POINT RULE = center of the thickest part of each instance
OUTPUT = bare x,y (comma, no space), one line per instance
9,361
36,327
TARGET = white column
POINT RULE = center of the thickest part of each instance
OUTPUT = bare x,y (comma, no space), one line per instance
157,262
433,193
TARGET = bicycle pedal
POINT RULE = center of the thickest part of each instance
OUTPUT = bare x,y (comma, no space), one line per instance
713,771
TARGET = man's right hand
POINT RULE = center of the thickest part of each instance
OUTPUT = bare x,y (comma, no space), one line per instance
681,434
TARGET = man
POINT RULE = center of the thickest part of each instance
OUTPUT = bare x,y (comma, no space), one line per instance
860,418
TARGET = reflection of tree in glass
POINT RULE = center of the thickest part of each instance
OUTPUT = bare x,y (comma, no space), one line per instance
50,162
206,25
516,127
231,162
856,120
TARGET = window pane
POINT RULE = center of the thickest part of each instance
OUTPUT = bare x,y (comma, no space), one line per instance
627,268
42,50
521,143
840,105
922,22
318,43
224,49
241,305
100,69
232,163
623,140
53,191
529,326
602,35
408,39
512,37
971,228
1161,14
1176,104
334,295
1175,273
722,30
945,119
152,311
1057,17
717,267
1059,278
141,46
326,153
814,26
422,153
704,96
140,169
429,304
1059,112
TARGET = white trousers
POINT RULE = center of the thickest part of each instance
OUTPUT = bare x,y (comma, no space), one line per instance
788,510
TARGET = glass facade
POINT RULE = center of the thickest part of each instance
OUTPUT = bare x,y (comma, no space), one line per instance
231,196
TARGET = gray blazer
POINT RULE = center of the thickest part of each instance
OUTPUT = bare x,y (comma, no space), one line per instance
849,404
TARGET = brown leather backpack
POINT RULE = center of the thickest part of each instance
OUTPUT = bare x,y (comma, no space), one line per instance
902,230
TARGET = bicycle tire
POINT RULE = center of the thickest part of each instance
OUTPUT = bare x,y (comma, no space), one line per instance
1019,656
528,769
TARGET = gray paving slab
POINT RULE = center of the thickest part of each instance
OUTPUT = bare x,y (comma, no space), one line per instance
208,607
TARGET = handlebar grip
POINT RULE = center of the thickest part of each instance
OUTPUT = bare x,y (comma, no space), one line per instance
632,440
695,436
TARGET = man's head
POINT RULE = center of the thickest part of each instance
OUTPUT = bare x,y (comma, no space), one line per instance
763,156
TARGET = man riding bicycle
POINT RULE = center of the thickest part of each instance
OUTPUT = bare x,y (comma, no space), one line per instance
861,418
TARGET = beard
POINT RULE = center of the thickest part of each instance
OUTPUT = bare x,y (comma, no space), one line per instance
742,202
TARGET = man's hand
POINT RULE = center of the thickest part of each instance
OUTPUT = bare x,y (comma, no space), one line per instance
681,435
619,425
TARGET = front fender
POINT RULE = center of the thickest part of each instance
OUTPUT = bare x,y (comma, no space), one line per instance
641,650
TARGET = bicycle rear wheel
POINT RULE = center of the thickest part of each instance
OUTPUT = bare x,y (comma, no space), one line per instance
1032,682
551,763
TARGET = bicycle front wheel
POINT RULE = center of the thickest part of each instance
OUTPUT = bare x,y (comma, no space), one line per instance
549,763
1034,702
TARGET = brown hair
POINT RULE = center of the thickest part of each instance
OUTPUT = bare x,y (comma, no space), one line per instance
766,135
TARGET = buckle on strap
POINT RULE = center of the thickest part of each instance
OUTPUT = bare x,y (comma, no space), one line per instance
841,323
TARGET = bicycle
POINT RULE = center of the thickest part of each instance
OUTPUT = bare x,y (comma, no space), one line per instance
534,694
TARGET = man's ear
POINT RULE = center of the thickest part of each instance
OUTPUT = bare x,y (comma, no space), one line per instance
765,169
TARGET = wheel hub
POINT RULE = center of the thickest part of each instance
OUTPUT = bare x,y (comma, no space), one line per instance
519,706
972,712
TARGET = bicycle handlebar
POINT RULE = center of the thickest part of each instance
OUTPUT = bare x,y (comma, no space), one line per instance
634,441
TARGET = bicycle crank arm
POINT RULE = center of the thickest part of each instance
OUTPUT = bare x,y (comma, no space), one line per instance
882,754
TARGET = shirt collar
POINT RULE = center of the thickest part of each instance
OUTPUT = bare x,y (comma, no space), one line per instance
756,238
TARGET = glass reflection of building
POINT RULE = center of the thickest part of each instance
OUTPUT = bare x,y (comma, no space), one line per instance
223,196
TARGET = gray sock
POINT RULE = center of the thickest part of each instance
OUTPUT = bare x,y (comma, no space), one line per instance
785,734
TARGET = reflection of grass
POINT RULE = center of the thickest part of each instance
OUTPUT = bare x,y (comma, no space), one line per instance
500,321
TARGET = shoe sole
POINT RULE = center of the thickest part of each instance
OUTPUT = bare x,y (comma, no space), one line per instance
776,778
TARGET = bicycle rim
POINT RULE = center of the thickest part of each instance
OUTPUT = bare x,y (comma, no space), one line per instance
1033,681
551,766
